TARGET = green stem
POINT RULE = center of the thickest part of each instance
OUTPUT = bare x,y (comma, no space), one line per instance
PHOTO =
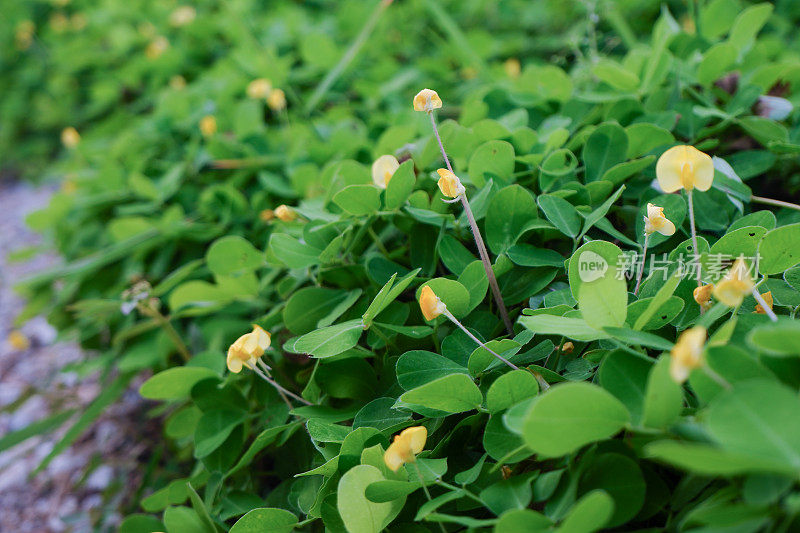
694,235
356,46
455,321
425,488
778,203
641,267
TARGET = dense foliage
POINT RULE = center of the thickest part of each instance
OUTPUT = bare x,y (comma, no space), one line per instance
553,116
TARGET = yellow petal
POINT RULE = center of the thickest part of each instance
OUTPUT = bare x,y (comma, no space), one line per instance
430,304
393,459
383,169
285,213
415,437
234,363
449,184
702,295
276,99
687,354
427,100
264,338
667,228
684,167
767,297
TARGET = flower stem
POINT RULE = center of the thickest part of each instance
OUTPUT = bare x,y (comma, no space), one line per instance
265,369
722,382
455,321
778,203
425,489
476,233
169,329
641,267
767,309
694,235
279,388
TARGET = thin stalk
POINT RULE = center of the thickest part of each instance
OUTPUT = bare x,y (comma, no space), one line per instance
476,233
466,492
694,235
279,388
356,46
169,329
767,309
455,321
641,267
722,382
285,398
778,203
425,488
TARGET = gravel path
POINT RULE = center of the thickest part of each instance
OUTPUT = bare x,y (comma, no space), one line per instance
80,489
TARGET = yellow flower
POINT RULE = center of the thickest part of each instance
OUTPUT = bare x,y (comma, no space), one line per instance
702,295
427,100
177,82
512,67
687,354
767,296
655,221
684,167
567,347
285,213
266,215
405,447
59,22
383,169
69,186
208,125
70,137
276,100
736,284
156,47
247,349
78,21
18,341
24,34
259,89
430,304
182,16
449,184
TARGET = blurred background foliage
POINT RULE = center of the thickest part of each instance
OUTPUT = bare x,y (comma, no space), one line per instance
144,192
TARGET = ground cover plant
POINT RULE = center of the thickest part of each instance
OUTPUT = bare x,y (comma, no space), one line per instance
309,246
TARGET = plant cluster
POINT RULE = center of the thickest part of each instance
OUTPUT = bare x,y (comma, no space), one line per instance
533,299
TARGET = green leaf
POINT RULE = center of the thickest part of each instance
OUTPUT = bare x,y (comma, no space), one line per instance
622,479
510,210
572,328
213,428
622,171
716,61
389,490
359,514
561,213
491,160
184,520
233,255
292,253
359,200
571,415
605,147
418,367
591,513
776,338
624,375
265,519
639,338
388,293
400,185
615,75
174,383
779,249
748,23
307,306
454,295
596,283
595,216
708,460
331,340
511,388
663,400
760,419
455,393
662,296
